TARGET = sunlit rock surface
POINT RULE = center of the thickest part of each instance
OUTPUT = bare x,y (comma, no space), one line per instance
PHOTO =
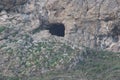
91,23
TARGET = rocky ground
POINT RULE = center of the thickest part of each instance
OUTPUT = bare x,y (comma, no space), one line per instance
31,49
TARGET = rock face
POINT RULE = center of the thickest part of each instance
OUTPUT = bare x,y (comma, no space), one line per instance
90,23
11,4
37,36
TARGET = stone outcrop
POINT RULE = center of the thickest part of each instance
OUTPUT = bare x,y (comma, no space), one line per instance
11,4
37,36
93,23
90,23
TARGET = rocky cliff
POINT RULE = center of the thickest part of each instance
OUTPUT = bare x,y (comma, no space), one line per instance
90,23
38,36
93,23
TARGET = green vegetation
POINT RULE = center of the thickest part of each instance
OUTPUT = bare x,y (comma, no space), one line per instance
58,59
101,65
2,28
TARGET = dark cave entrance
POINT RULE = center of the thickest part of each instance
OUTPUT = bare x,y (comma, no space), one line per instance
57,29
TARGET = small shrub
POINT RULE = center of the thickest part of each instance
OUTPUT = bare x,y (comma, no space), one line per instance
2,28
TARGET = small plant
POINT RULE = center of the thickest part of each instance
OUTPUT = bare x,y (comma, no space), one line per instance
59,61
2,28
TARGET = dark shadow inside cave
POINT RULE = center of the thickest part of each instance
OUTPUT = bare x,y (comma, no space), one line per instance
57,29
115,33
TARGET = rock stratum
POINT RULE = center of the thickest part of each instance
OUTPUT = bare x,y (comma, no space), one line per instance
90,23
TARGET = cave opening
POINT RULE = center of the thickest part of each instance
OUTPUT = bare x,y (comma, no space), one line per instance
57,29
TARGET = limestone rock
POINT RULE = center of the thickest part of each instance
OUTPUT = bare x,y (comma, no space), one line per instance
10,4
97,21
90,23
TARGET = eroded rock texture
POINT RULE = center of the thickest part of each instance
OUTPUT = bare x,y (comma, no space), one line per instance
11,4
93,23
37,36
90,23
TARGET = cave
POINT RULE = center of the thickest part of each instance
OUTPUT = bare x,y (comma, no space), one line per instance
57,29
115,32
